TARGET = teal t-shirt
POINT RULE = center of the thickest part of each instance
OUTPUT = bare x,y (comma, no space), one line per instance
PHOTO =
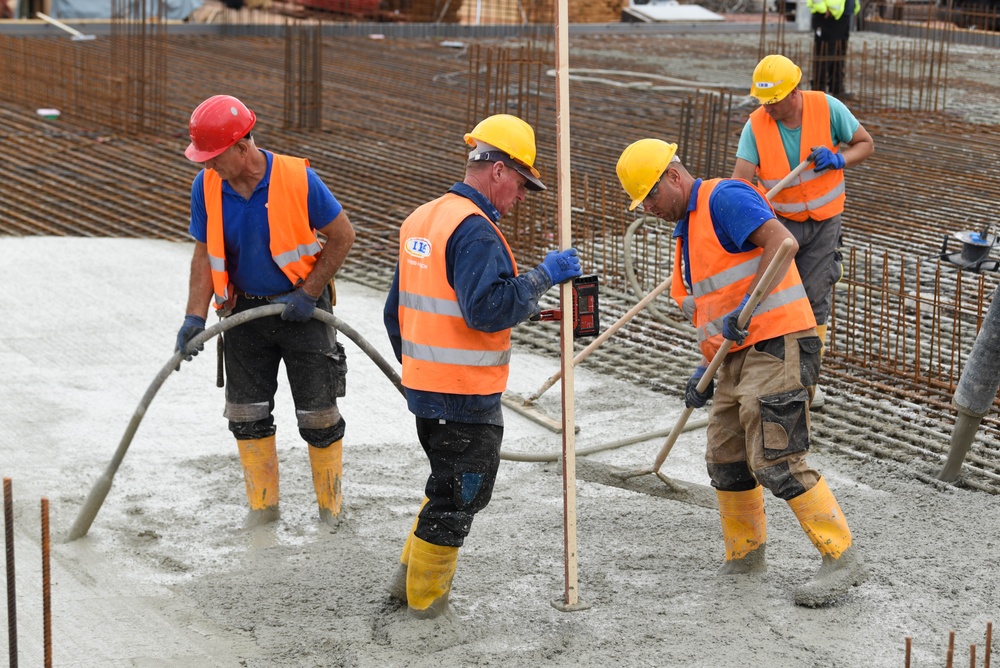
843,125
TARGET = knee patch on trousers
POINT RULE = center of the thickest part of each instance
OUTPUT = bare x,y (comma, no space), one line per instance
780,481
324,436
734,477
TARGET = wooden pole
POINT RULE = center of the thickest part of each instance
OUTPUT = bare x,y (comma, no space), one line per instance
570,600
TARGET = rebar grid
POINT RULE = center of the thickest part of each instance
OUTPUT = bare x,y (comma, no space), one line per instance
386,149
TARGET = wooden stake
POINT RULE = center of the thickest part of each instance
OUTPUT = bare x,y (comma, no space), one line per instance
570,600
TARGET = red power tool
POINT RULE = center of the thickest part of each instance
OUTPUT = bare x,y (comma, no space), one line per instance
586,317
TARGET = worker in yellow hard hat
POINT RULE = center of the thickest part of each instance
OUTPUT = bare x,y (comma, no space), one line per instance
789,126
831,26
758,432
454,298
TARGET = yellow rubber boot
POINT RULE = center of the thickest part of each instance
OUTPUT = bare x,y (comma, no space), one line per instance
823,521
744,529
428,578
327,470
259,458
397,584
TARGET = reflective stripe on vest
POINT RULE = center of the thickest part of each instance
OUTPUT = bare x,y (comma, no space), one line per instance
720,279
441,353
812,194
293,245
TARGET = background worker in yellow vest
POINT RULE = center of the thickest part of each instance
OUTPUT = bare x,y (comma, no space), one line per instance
758,432
831,26
255,216
455,296
790,126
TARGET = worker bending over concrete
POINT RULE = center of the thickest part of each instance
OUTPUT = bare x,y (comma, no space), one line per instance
758,433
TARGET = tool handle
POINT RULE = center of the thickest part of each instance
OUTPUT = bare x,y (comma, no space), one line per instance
720,355
780,185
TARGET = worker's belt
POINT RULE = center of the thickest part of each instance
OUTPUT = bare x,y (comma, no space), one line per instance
263,298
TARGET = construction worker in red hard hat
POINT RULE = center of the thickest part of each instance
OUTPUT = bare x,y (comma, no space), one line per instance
789,126
256,219
758,433
455,296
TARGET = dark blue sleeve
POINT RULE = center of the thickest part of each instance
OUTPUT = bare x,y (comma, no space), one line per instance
323,206
198,227
737,209
390,316
482,273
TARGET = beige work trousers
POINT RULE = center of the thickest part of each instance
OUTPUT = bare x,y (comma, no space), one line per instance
760,413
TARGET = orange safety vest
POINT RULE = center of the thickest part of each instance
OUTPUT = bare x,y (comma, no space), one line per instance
440,352
720,279
812,194
294,245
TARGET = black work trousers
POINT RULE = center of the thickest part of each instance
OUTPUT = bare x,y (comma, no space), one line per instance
464,459
315,365
830,51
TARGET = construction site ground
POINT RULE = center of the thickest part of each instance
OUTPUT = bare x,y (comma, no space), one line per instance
166,576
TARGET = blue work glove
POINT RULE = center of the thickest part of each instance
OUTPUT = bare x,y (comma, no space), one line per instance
730,329
823,158
692,397
299,305
562,265
192,327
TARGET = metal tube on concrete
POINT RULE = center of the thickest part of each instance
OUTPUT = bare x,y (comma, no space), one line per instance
977,388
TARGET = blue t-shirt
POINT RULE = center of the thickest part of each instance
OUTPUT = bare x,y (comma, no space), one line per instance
843,125
247,235
737,210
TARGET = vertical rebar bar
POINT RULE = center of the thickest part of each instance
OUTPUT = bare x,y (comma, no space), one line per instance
989,645
909,643
8,526
46,586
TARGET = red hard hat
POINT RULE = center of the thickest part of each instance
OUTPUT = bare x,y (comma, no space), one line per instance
216,124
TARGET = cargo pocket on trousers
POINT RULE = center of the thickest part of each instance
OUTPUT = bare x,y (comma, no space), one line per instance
338,370
783,423
809,359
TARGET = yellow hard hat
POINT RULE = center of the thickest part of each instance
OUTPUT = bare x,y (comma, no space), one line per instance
641,165
774,78
513,137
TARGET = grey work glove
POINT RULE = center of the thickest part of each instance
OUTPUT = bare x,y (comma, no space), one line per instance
192,327
299,305
692,397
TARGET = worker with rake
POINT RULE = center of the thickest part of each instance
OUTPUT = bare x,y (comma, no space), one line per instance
759,426
455,296
791,126
255,217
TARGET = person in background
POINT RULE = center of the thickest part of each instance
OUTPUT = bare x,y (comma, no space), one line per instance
255,217
831,26
789,126
455,296
759,426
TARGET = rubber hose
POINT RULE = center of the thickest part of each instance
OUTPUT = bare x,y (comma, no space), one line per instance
977,388
554,457
101,488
